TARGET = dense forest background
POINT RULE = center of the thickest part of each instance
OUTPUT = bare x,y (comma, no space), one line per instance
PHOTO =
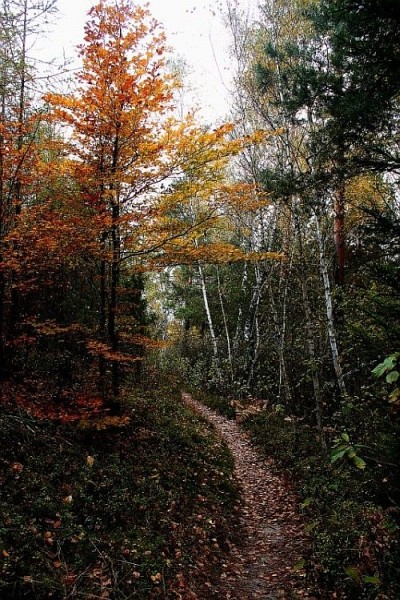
257,261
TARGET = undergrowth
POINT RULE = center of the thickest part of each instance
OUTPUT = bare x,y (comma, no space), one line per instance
119,510
351,514
221,404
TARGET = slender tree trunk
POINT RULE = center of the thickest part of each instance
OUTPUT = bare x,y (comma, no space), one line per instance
226,328
115,269
239,320
102,312
209,321
112,312
102,293
206,304
17,184
2,223
329,311
208,312
339,235
280,329
255,350
309,328
251,332
284,278
283,372
21,108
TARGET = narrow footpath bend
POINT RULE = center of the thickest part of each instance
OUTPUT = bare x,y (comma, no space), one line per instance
273,540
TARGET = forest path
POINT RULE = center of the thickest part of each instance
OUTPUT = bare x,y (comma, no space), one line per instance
261,567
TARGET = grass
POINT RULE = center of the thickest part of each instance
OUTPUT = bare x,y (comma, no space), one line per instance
112,510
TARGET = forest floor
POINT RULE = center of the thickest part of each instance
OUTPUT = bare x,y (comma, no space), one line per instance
172,500
267,563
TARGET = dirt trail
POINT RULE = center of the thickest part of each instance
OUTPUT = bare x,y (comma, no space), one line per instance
273,541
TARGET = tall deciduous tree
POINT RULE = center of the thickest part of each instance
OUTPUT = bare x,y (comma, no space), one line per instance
133,160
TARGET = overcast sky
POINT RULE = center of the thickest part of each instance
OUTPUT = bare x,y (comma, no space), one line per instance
194,32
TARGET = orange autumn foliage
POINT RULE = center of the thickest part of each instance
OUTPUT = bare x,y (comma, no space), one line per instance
125,187
137,166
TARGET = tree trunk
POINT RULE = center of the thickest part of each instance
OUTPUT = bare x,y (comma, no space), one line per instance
239,320
339,235
251,332
280,329
17,183
2,223
209,321
226,328
112,310
329,311
115,267
309,328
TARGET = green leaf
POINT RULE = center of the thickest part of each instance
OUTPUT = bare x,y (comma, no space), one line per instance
379,370
372,579
390,361
344,447
392,377
336,455
359,462
345,437
386,365
353,572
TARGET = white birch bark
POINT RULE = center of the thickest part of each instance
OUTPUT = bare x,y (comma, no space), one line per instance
239,320
209,321
329,310
280,329
251,332
226,328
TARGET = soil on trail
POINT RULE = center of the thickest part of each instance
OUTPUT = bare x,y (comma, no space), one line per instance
272,539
